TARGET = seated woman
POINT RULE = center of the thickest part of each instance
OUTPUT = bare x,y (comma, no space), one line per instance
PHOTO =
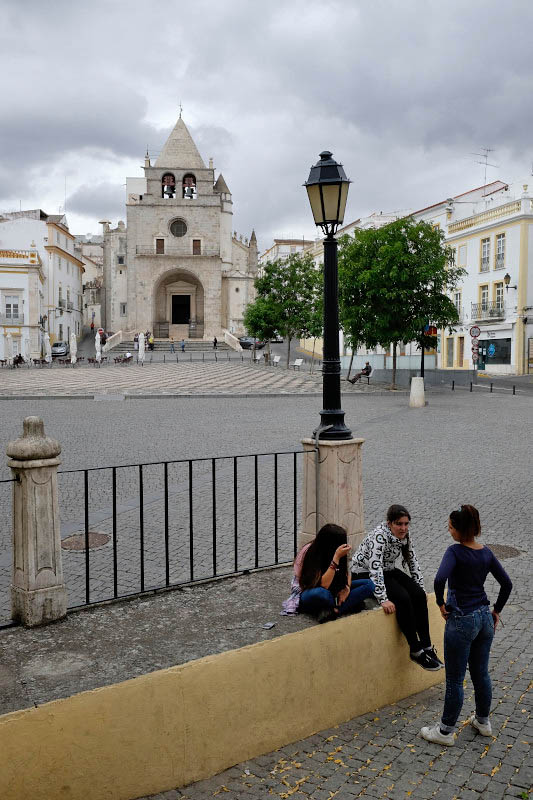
396,591
322,584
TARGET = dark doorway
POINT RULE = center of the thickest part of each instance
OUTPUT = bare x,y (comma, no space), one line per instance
181,309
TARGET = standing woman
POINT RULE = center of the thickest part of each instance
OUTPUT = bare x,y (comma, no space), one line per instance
322,585
470,624
397,592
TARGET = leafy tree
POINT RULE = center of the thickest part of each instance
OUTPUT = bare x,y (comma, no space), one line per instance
261,319
293,289
393,281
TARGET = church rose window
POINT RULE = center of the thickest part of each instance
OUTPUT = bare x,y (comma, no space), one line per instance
168,185
178,227
189,187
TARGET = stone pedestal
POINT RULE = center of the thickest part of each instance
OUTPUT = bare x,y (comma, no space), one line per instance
417,398
340,489
38,594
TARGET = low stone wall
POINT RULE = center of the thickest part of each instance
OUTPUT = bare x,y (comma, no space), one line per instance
178,725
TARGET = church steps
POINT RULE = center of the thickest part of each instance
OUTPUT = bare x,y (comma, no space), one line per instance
163,346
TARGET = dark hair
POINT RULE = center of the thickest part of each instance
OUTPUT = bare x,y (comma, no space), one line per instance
319,556
466,522
396,512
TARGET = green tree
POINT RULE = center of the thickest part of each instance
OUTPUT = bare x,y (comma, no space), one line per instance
393,281
260,320
293,289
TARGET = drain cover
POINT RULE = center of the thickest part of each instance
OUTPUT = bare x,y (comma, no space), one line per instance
77,541
504,551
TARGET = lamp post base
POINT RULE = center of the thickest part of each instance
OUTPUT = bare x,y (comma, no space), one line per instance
339,499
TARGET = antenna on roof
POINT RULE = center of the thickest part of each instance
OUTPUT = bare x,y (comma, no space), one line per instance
181,109
485,163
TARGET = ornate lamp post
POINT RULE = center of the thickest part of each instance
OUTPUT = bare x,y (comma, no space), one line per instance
327,188
332,470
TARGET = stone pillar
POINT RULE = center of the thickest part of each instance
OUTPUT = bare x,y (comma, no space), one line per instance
417,397
340,488
38,594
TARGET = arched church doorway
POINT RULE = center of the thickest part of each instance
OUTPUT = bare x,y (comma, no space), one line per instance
179,306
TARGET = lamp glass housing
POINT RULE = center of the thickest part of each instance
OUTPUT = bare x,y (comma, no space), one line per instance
327,189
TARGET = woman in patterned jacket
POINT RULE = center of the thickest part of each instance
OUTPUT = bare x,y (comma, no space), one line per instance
396,591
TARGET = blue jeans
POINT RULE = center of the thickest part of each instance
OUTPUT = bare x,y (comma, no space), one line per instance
312,601
467,641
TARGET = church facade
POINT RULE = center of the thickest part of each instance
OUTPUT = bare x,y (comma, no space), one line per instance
177,268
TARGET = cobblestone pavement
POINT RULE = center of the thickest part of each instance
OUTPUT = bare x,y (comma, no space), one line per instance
185,378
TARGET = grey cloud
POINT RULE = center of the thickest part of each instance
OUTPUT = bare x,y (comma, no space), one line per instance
103,200
401,92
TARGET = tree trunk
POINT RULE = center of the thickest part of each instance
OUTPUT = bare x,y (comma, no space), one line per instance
393,382
288,350
313,357
350,366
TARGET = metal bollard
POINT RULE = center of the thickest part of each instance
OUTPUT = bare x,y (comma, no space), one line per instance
514,389
203,356
216,359
453,386
190,357
470,385
164,358
491,388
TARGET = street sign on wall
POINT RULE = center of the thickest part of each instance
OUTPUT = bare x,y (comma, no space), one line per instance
475,330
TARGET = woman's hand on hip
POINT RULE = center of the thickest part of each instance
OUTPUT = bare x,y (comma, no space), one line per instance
496,618
444,614
388,607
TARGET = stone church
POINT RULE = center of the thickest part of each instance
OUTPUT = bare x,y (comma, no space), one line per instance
177,268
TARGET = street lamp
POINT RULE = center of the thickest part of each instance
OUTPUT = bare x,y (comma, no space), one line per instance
507,281
327,188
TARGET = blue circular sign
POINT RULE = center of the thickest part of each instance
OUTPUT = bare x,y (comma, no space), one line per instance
491,349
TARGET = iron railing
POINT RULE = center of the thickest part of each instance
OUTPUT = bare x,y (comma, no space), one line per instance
488,310
173,523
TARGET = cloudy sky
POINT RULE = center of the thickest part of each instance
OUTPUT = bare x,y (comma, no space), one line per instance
402,91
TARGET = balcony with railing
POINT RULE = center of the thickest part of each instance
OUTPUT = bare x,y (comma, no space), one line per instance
11,319
61,302
485,264
500,261
495,309
180,252
70,305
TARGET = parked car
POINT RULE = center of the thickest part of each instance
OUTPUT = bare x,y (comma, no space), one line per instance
247,342
60,349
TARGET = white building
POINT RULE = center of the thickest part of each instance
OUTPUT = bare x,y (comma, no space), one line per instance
491,232
60,291
21,302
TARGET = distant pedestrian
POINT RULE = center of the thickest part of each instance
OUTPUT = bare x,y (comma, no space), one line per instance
366,371
470,624
151,342
136,342
92,327
182,345
172,348
215,342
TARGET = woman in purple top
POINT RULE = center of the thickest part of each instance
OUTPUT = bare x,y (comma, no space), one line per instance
470,624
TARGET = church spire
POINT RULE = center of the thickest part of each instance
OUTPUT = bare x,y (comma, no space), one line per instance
180,151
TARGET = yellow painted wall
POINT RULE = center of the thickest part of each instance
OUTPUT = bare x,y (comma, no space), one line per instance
175,726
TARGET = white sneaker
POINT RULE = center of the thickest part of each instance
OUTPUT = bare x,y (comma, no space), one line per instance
434,735
485,728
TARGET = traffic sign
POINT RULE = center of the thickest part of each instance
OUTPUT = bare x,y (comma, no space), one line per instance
475,358
475,330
